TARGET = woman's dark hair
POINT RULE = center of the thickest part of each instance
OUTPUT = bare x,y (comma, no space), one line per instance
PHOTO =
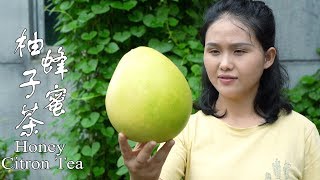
258,17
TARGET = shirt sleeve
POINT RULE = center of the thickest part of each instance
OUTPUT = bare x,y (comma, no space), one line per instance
176,163
312,156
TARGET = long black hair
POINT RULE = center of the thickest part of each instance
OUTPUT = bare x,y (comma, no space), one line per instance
258,17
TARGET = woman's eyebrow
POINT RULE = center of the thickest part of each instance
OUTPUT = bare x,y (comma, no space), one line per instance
213,44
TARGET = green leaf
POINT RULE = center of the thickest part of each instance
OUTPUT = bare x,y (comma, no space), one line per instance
104,33
90,151
75,157
69,61
136,16
94,116
86,150
101,87
122,170
308,80
300,107
162,14
124,6
295,98
180,52
120,162
98,171
69,27
88,36
95,148
312,111
318,51
61,41
160,46
137,30
195,45
81,64
66,5
194,83
84,16
88,122
74,76
88,85
192,14
179,36
95,49
121,36
151,21
107,74
195,58
70,48
87,96
99,9
104,41
174,10
196,69
74,94
315,95
173,21
112,48
132,143
108,132
90,66
191,30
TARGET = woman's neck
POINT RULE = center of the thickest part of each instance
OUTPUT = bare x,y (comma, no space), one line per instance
239,113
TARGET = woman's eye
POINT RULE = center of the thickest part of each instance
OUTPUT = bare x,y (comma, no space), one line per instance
239,52
214,52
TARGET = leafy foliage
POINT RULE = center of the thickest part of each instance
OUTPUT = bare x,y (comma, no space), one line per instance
305,97
95,35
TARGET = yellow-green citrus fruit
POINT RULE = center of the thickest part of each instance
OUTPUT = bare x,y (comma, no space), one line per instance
148,98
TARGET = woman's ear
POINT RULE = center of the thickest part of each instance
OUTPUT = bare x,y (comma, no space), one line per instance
270,56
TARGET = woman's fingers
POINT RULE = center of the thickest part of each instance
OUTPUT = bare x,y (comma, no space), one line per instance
145,153
163,152
139,146
124,147
140,156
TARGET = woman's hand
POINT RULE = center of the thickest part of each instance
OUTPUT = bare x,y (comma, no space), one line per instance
139,161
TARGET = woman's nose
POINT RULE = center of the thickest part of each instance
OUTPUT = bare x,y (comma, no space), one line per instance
226,63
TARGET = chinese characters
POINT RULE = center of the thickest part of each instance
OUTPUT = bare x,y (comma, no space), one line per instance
55,97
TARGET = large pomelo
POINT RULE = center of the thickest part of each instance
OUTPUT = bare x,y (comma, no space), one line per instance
148,98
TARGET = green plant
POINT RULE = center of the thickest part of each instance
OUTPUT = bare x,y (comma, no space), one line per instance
95,35
305,96
10,173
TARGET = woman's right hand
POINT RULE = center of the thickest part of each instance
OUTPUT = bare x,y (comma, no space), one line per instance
140,163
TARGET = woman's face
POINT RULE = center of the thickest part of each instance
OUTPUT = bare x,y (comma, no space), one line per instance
234,59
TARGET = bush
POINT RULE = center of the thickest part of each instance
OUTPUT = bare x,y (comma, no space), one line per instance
95,35
305,97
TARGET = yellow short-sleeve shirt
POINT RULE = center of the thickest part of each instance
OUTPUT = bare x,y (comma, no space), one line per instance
209,149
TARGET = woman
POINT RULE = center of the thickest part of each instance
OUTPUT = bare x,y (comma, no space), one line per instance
245,129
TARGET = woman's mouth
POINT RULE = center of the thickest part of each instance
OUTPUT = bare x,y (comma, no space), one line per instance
227,79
